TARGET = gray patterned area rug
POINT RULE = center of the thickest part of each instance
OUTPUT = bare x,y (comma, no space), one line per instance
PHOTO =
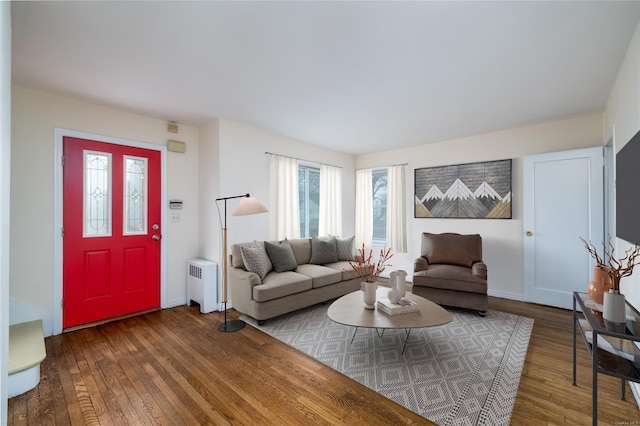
463,373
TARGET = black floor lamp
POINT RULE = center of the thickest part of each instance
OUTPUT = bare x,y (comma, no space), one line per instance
248,205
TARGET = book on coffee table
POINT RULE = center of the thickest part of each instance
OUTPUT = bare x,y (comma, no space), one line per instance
405,306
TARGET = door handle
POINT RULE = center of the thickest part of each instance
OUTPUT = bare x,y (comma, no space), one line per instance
529,233
156,237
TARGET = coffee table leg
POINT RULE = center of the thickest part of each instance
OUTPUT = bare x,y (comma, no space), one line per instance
408,331
354,335
380,334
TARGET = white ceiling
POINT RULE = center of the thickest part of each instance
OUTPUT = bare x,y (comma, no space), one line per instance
356,77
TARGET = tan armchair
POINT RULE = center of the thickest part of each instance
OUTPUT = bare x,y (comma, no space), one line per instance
450,271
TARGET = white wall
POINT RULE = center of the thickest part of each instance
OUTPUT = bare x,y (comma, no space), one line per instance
209,190
5,182
502,238
623,114
244,168
35,115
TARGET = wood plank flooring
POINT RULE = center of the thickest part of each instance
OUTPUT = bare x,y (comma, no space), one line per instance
172,367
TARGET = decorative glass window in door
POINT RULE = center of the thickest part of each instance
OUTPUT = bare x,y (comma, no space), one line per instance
135,195
97,194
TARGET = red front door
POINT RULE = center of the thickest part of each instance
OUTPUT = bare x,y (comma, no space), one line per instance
112,230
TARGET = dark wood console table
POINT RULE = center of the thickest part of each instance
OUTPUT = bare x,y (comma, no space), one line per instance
614,347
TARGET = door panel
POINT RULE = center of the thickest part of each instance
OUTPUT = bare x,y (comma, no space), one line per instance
563,201
134,275
111,210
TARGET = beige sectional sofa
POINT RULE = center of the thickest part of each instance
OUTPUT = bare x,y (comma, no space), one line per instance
298,273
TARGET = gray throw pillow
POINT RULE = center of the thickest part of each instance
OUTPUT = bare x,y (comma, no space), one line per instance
345,248
281,256
255,259
323,250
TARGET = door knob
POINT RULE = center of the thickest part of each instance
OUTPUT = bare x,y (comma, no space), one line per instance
156,237
529,233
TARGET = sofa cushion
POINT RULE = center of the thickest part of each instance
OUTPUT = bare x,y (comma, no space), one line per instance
236,255
344,267
344,247
276,285
281,256
255,259
323,250
301,248
453,249
320,275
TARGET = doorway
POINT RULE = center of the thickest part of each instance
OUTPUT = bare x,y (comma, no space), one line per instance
114,261
563,201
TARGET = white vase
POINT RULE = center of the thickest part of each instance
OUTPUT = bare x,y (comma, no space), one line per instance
398,286
369,294
613,307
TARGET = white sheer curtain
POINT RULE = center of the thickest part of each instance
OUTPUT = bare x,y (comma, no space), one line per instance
364,208
284,220
396,209
330,217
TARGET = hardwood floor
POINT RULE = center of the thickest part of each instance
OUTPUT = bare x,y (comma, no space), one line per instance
546,394
173,367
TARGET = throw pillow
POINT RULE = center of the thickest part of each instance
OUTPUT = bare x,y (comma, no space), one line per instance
281,256
255,259
323,250
345,248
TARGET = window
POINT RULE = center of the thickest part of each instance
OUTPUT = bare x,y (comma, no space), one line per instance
135,195
309,196
97,194
379,186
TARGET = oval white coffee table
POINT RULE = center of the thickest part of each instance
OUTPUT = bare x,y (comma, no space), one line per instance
349,310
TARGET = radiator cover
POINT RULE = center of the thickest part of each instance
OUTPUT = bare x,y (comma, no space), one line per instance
202,284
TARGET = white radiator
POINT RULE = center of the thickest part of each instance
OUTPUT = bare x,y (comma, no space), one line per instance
202,284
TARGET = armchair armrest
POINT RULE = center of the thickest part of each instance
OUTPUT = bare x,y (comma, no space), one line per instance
420,264
479,269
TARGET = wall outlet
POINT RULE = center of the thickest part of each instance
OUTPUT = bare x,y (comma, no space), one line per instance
175,217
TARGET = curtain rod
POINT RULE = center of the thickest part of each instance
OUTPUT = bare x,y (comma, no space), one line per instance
385,165
301,159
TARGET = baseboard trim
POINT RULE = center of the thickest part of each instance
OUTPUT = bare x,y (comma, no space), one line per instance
503,295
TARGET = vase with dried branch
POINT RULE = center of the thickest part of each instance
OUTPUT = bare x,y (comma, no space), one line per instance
616,268
613,304
368,270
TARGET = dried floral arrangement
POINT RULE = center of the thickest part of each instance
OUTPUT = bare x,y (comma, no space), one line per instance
364,267
616,268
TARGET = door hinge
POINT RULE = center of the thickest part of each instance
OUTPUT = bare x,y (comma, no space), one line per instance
62,303
62,232
62,161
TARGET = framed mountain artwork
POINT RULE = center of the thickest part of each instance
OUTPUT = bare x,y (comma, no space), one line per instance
464,191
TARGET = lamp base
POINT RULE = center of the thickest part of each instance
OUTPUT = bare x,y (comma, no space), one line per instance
231,326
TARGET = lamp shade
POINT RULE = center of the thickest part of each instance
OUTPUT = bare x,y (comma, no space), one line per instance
249,205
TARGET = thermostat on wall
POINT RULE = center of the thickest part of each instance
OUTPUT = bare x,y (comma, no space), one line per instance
176,146
175,204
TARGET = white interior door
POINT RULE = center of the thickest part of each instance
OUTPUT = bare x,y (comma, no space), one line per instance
563,201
